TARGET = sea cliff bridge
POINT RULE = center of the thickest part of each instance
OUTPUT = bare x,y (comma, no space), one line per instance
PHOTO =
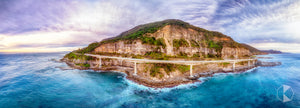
251,62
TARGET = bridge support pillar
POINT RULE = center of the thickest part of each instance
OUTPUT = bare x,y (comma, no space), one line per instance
249,65
191,70
135,71
121,62
233,66
100,62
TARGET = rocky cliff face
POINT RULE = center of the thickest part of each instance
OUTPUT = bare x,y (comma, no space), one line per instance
177,40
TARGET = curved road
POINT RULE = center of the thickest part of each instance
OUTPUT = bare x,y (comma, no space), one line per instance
168,61
191,63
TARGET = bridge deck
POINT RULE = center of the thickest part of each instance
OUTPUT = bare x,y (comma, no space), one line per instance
168,61
191,63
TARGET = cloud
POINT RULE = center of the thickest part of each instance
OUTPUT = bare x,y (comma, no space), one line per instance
47,40
257,21
95,16
30,15
31,23
67,24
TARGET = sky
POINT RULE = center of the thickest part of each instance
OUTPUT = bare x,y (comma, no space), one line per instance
66,25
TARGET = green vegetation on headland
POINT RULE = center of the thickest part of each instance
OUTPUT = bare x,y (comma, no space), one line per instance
157,55
168,68
153,41
224,64
194,43
84,65
181,55
72,55
162,56
214,41
180,43
139,32
89,48
242,62
217,46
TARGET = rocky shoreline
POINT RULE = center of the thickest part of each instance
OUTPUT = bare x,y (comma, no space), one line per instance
167,83
170,84
131,77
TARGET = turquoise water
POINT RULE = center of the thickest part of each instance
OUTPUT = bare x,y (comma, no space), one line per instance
34,80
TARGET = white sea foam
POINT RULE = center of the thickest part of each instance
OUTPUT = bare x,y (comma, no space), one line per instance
181,86
157,90
203,79
234,73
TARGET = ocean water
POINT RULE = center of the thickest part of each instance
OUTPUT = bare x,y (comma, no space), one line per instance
37,81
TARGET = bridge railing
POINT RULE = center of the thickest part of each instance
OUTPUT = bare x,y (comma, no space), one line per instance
190,63
168,61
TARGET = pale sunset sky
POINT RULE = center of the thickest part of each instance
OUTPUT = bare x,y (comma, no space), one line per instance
65,25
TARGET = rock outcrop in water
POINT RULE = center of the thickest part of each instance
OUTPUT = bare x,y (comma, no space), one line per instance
164,40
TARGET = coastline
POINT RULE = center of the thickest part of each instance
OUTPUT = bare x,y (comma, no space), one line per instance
136,83
158,84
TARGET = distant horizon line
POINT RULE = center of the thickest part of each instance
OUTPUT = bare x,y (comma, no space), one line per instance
71,51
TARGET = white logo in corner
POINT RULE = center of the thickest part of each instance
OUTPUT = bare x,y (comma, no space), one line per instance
285,93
